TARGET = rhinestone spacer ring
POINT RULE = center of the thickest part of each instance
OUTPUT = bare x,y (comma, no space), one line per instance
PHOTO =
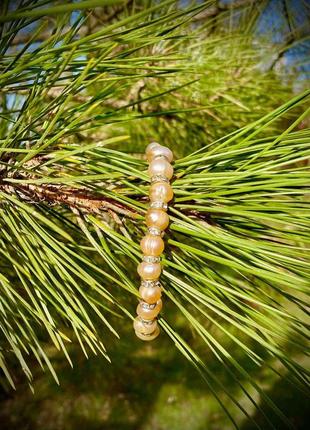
159,178
150,284
159,205
155,231
145,305
151,259
146,322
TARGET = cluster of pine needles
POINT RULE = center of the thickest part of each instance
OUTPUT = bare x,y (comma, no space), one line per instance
82,94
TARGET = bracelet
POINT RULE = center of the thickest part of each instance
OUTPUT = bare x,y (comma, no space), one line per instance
152,244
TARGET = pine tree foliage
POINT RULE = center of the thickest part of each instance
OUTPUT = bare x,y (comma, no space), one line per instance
81,96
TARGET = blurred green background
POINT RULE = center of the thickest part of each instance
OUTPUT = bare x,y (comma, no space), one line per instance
147,386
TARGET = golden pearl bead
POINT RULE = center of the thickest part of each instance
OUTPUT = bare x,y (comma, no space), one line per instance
149,336
157,218
160,166
159,151
152,245
161,191
144,328
150,148
149,271
147,313
150,294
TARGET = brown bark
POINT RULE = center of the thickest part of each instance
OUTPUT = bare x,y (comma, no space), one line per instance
81,199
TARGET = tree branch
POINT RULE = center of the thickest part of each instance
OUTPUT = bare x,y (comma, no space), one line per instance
80,199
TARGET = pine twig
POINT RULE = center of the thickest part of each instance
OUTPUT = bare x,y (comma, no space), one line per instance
80,199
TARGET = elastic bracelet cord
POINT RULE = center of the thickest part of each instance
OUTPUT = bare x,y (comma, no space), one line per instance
152,244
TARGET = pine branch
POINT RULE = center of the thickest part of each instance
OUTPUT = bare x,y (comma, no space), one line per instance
80,199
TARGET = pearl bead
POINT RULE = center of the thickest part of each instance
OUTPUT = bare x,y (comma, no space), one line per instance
150,294
152,245
161,191
148,313
157,218
149,271
150,336
144,328
159,151
160,166
150,148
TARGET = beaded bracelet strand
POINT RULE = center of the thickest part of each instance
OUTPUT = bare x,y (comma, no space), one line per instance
152,244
